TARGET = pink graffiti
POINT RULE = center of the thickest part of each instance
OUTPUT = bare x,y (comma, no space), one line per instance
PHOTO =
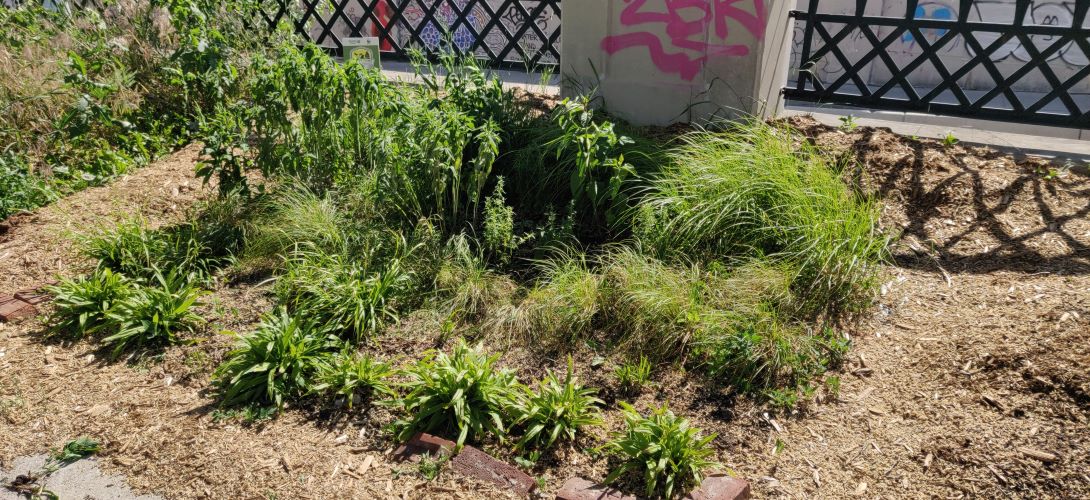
685,23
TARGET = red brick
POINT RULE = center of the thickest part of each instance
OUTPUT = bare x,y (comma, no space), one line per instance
721,487
33,296
482,466
12,309
577,488
423,443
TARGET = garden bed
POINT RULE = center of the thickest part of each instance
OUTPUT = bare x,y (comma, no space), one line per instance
973,359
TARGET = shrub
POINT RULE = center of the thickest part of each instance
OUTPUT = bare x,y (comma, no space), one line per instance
632,376
351,376
464,393
758,190
274,363
82,306
153,315
556,411
671,454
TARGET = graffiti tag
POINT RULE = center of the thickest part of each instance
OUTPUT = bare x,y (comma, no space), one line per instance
688,45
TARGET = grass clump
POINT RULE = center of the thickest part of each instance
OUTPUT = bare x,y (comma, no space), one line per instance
275,363
468,289
556,411
562,306
154,315
633,375
347,296
82,306
671,455
463,394
353,376
758,190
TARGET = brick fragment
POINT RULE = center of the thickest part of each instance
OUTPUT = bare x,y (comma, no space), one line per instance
423,443
12,309
721,487
482,466
33,296
577,488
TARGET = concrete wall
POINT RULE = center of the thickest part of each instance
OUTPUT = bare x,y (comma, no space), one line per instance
906,48
662,61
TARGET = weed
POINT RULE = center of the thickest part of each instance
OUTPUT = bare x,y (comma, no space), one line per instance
556,411
153,315
353,376
429,467
950,140
73,451
499,226
832,387
632,376
249,414
21,188
82,306
275,363
848,123
464,393
670,453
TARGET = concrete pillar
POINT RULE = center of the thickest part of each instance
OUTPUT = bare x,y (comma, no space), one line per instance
656,62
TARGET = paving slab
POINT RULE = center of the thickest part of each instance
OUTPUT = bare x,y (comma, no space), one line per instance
79,480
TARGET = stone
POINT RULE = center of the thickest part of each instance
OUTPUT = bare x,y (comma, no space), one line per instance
12,309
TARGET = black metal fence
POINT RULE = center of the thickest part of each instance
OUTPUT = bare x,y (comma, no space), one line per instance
520,33
1035,85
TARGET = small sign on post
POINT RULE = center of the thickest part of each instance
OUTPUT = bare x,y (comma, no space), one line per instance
363,49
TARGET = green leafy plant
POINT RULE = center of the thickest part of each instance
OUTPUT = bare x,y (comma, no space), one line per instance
671,455
430,467
74,450
275,363
82,306
600,170
353,376
632,376
950,139
557,410
499,225
153,315
463,393
848,123
20,188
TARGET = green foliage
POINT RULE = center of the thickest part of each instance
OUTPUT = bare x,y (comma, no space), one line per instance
351,297
759,191
467,288
556,411
82,306
275,363
848,123
671,455
600,171
154,315
950,140
20,188
191,250
562,306
73,451
463,394
632,376
499,225
352,376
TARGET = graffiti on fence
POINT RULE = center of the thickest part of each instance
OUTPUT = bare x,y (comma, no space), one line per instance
430,25
678,39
